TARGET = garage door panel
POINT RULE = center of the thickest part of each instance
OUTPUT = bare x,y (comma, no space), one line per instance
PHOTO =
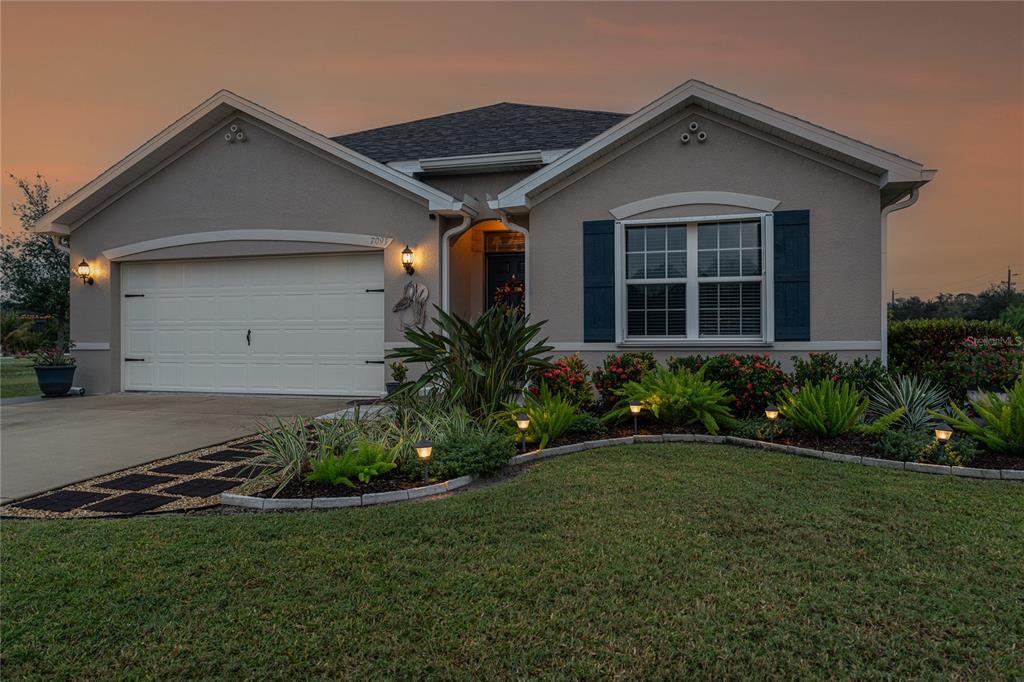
313,325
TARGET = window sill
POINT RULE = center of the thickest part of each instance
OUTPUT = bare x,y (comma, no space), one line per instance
698,343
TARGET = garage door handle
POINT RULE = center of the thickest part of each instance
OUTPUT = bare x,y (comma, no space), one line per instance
375,291
248,338
135,296
375,362
135,359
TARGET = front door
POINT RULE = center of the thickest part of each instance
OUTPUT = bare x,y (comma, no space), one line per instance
501,267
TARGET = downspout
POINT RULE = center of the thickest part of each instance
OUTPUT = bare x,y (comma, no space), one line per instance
892,208
507,222
445,260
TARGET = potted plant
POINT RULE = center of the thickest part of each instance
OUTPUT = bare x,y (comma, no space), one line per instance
399,372
55,370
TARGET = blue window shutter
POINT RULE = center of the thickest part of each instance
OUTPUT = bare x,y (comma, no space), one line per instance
792,275
599,280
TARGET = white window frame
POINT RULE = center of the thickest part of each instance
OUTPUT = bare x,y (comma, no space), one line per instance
693,337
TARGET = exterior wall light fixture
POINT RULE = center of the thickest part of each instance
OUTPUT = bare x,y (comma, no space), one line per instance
407,260
84,272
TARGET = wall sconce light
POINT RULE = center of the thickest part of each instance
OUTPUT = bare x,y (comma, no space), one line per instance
407,260
83,272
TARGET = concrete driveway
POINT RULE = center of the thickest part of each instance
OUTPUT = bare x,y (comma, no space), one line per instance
56,442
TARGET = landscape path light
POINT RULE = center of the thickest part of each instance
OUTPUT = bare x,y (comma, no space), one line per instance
634,409
523,423
424,448
943,432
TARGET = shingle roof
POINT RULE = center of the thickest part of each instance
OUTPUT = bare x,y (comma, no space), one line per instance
504,127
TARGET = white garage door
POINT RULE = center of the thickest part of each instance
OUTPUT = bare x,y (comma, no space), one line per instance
309,325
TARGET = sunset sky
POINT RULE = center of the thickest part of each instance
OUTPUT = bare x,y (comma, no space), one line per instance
83,84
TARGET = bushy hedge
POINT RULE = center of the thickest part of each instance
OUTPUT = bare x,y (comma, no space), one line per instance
957,354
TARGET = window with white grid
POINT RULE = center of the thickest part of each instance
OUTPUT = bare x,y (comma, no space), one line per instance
729,278
696,279
656,280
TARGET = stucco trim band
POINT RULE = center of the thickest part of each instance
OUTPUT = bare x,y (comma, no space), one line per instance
365,240
691,198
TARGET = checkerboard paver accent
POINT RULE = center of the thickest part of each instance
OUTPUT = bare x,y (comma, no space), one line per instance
135,482
131,503
61,501
185,467
200,487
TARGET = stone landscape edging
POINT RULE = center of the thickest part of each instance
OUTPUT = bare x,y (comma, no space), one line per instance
964,472
369,499
366,500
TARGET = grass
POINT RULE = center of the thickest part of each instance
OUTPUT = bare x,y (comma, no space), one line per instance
655,561
17,378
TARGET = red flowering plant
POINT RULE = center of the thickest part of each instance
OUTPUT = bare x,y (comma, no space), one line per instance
569,378
619,370
861,372
988,364
753,380
511,296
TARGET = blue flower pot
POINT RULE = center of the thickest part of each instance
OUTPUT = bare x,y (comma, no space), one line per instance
55,380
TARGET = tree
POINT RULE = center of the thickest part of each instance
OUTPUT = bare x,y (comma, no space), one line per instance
36,271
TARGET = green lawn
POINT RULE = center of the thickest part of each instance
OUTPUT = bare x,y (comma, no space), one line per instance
17,378
671,562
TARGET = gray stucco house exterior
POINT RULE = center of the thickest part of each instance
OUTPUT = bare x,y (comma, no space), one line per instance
237,251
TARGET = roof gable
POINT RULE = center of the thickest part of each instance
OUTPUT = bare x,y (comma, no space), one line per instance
216,110
498,128
891,169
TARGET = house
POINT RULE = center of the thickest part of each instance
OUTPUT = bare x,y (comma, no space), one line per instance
237,251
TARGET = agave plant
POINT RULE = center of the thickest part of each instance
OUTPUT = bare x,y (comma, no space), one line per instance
679,397
483,364
918,396
828,410
1002,421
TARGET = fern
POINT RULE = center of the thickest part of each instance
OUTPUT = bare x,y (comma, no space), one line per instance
550,415
1002,429
679,397
364,461
828,410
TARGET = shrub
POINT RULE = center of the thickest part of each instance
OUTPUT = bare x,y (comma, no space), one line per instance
1002,421
919,446
760,428
617,371
861,373
681,397
570,378
481,450
753,380
918,396
482,364
362,463
936,349
1014,317
550,414
985,363
587,424
829,409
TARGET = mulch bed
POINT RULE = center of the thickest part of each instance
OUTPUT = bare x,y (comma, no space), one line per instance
389,482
